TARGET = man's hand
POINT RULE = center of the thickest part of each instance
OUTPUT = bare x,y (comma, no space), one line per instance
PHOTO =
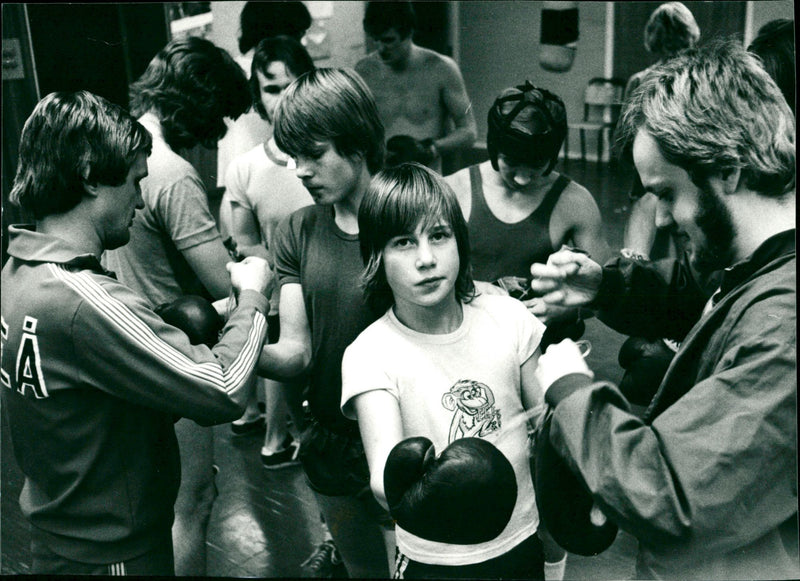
569,279
252,273
559,360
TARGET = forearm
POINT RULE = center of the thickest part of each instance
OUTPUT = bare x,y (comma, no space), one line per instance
649,299
258,250
376,484
617,456
139,357
683,476
460,139
284,361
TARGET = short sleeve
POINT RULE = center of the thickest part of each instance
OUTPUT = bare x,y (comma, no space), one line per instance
530,330
286,249
185,215
364,370
236,180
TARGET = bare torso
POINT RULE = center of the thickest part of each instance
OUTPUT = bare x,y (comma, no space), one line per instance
410,101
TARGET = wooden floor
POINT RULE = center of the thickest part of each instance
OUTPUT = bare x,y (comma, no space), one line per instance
265,523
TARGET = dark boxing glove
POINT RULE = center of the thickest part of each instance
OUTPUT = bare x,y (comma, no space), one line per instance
645,362
465,496
195,316
564,503
404,148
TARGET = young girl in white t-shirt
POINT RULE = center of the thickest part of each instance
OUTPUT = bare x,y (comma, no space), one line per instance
443,362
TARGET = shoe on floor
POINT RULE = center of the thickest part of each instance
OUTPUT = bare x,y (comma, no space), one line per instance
324,563
284,458
256,426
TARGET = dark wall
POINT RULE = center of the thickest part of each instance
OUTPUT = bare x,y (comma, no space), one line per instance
97,47
433,24
19,99
101,48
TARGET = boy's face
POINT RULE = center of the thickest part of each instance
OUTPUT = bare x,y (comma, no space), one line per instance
422,267
271,86
517,174
329,177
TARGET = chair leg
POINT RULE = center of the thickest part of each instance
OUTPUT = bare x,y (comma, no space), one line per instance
600,134
583,145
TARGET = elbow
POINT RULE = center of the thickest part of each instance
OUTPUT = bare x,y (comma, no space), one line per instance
376,485
225,411
284,361
297,365
302,361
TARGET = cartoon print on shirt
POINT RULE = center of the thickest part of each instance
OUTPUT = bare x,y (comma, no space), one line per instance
474,413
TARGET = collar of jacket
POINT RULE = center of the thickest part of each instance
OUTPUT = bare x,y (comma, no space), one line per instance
28,245
772,248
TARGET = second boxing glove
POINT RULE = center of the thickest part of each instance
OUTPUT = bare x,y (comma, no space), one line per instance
565,505
645,363
195,316
464,496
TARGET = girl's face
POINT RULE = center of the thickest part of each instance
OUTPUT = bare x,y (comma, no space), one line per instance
422,267
272,84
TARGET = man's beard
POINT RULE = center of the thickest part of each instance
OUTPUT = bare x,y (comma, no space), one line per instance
715,221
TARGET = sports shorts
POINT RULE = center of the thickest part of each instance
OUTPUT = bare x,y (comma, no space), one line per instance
334,462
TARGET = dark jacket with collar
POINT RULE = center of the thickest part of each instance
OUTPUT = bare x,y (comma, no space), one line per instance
707,479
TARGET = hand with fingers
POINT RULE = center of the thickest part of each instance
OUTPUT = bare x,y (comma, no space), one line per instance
251,273
569,279
564,358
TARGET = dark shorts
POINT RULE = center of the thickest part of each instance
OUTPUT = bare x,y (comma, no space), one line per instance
335,463
525,561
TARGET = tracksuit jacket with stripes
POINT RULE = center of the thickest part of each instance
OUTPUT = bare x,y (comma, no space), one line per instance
93,381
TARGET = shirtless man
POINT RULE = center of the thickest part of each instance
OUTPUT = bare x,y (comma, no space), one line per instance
420,93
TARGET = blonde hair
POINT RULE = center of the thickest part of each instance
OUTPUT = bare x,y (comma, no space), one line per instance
670,29
715,109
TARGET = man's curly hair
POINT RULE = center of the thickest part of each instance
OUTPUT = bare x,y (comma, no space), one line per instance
191,85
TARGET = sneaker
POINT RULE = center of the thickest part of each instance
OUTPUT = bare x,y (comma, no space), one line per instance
284,458
324,563
257,426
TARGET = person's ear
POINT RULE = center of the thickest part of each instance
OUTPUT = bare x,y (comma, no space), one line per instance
357,157
729,180
89,187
